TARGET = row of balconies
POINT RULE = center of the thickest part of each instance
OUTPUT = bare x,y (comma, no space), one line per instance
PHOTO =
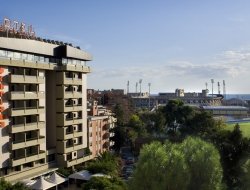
61,78
64,94
28,157
25,95
64,119
62,106
27,127
73,161
63,148
62,133
26,79
26,111
22,143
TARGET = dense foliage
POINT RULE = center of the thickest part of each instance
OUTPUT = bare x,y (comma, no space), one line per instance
104,183
4,185
192,164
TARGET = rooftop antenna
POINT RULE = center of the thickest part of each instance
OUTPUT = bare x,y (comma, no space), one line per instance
218,87
128,87
206,85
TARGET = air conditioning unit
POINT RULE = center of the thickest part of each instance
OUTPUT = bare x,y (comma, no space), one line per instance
74,155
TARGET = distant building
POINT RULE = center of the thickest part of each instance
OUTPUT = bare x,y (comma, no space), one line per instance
238,111
189,98
101,121
112,98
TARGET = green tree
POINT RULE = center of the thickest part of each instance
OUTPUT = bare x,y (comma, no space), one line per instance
106,163
192,164
137,124
119,113
4,185
103,183
233,148
175,110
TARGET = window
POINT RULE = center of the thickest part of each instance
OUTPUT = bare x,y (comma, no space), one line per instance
25,56
41,59
10,54
17,55
30,57
64,61
3,53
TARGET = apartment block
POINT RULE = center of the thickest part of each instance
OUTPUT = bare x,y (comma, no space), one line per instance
43,107
101,121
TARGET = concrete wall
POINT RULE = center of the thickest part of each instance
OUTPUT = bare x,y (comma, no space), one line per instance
50,109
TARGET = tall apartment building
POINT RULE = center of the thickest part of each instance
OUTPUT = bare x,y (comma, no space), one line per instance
101,121
43,111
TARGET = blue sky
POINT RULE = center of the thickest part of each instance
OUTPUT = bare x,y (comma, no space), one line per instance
169,43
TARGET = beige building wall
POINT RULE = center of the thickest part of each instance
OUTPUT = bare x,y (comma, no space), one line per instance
50,109
84,110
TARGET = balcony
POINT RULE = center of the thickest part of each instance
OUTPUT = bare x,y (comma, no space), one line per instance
79,68
71,93
29,142
79,160
27,127
62,79
26,111
28,158
63,148
26,79
24,63
71,162
20,95
67,108
62,120
62,134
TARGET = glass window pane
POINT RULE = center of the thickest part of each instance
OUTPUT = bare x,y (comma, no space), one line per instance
10,54
41,59
64,61
17,55
25,56
3,53
30,57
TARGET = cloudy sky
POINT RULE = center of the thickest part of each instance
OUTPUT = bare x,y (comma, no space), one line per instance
168,43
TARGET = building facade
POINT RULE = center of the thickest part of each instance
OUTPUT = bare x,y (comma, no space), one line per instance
101,121
43,109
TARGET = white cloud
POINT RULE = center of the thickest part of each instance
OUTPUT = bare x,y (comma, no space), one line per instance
229,65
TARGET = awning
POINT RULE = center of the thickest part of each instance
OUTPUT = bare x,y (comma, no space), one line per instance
82,175
42,184
56,178
100,175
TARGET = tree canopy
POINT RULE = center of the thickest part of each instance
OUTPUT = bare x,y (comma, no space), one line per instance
192,164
